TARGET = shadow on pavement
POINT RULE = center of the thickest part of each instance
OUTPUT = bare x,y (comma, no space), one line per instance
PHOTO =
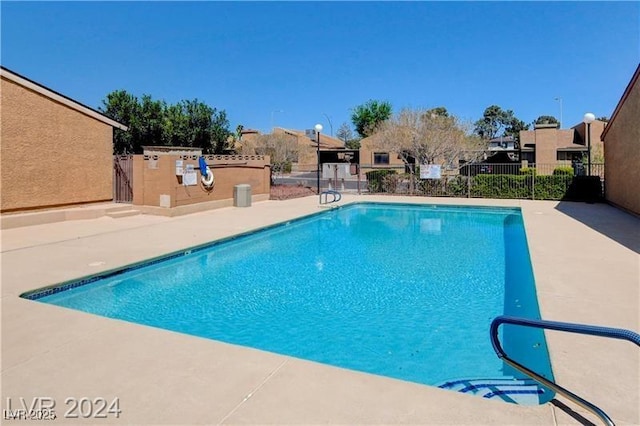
620,226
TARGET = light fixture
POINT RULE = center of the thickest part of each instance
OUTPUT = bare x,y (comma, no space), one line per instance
588,119
318,128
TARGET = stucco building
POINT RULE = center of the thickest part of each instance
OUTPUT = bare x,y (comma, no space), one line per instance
547,144
621,140
305,141
55,151
372,157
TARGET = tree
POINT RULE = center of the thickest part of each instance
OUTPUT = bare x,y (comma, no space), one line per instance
281,148
424,137
368,116
345,134
122,107
440,111
497,122
514,128
546,119
220,132
603,118
353,143
188,123
151,122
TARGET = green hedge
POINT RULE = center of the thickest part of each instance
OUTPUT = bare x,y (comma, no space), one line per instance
562,185
454,187
501,186
563,171
513,186
552,187
528,171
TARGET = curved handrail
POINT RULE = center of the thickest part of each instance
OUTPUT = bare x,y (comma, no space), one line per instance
613,333
336,196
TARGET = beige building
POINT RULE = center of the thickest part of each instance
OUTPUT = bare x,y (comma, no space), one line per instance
372,157
548,145
621,140
306,142
55,151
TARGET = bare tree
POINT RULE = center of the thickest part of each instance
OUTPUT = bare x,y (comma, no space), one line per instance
281,148
427,137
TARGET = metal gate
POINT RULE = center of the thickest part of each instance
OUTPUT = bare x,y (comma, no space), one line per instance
123,178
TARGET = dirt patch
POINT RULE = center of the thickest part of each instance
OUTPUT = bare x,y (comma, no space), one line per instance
285,192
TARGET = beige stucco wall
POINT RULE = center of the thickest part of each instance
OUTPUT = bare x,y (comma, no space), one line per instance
369,146
153,178
622,154
546,143
51,154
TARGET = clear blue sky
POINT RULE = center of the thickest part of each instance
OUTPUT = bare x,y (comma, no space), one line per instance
311,59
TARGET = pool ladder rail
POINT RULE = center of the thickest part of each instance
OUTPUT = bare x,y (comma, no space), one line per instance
331,192
592,330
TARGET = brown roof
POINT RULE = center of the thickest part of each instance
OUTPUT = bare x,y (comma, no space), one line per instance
325,140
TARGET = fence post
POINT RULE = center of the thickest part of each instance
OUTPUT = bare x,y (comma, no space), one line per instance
469,186
533,184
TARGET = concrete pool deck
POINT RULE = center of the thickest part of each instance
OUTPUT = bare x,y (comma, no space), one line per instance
587,268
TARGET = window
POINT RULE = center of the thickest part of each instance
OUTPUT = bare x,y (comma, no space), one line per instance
569,155
380,158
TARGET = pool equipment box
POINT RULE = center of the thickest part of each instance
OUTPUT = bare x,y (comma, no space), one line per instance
242,195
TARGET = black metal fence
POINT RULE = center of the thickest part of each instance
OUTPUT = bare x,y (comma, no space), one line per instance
535,182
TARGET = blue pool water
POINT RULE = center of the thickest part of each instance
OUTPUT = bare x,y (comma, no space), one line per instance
397,290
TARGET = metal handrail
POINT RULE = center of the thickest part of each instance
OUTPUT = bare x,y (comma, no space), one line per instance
613,333
336,196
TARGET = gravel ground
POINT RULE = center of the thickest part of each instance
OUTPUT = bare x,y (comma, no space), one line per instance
285,192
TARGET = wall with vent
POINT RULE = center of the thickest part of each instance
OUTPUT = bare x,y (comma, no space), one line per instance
156,184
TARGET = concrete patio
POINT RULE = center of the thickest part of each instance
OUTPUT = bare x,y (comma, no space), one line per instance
587,268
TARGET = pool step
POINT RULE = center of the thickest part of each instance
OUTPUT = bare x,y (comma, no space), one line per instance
510,389
123,213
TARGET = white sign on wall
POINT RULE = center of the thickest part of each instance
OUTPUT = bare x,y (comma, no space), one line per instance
190,178
430,171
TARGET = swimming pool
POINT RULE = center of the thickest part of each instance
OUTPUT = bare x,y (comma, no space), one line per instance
402,291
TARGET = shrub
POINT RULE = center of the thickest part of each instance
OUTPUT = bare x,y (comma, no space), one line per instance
375,179
551,187
530,171
563,171
390,183
520,186
456,187
501,186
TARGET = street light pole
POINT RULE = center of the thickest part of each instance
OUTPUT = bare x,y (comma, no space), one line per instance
329,120
560,100
588,119
277,110
318,128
